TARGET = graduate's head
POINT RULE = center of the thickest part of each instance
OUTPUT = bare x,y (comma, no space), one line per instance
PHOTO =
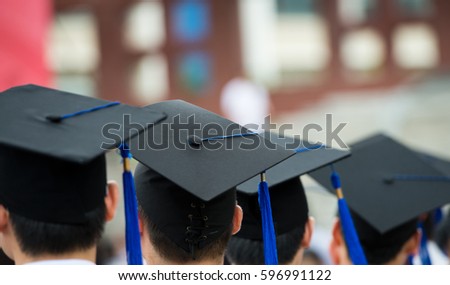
51,205
54,196
186,190
387,188
181,227
293,226
392,246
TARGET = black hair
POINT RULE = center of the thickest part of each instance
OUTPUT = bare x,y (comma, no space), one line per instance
382,248
170,251
36,237
242,251
443,234
4,259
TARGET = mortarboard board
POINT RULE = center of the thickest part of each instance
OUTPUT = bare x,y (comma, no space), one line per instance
52,145
309,157
442,165
195,157
287,198
387,185
428,222
289,207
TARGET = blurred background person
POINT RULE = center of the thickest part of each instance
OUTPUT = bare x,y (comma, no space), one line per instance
245,103
443,236
388,188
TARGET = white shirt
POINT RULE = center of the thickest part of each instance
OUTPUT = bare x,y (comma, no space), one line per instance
436,255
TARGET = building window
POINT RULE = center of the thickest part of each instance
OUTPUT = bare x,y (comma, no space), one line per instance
296,7
415,46
353,12
418,8
73,52
144,26
193,72
362,50
190,20
149,78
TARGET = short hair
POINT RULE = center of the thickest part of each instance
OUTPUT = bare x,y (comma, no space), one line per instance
242,251
4,259
170,251
443,234
36,237
381,248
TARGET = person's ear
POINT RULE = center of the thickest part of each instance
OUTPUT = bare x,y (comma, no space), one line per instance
309,229
411,246
4,218
336,243
111,200
140,224
237,219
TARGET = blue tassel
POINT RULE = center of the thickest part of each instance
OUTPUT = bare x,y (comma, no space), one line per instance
423,250
354,247
132,236
410,260
335,180
269,237
437,216
355,250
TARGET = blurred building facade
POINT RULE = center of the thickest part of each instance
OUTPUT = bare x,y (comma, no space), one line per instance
143,51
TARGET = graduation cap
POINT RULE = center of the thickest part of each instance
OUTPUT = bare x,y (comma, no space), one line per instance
289,211
287,197
434,217
193,161
442,165
308,157
52,145
387,185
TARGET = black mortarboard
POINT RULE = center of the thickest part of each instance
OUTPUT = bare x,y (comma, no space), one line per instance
52,145
287,197
442,165
387,184
188,148
193,159
289,207
309,157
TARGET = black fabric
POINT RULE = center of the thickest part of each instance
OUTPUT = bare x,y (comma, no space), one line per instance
184,218
309,159
370,187
205,169
289,209
49,189
442,165
23,113
55,171
371,239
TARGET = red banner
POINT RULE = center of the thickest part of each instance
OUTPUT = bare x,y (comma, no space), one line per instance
24,27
